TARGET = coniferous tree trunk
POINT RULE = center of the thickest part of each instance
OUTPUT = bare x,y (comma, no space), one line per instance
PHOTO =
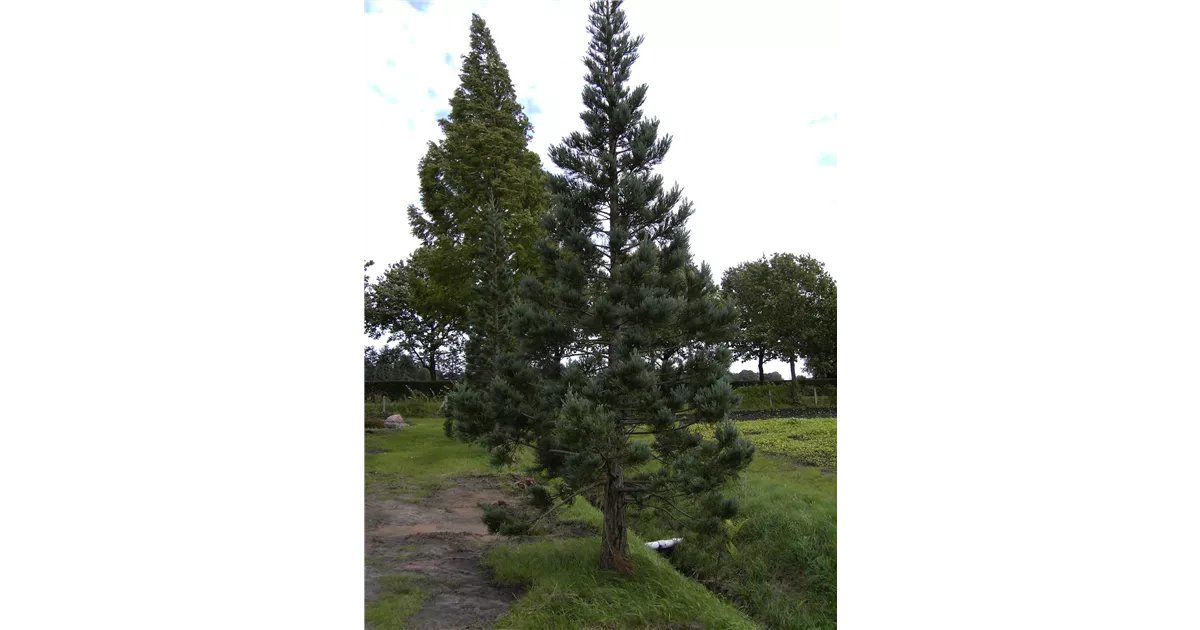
615,550
792,364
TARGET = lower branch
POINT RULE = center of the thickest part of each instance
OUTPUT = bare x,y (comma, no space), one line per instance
564,502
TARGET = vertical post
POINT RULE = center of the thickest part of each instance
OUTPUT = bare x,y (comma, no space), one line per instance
814,396
770,402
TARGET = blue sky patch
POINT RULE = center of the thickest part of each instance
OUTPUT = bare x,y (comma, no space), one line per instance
390,99
827,159
441,113
420,5
531,106
431,93
448,59
370,7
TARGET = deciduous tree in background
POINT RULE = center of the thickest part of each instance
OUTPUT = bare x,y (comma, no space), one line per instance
787,309
748,287
402,305
802,295
391,364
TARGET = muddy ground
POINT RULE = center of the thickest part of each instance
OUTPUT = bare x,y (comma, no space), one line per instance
441,538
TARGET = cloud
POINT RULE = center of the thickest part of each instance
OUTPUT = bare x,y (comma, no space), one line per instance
827,159
420,5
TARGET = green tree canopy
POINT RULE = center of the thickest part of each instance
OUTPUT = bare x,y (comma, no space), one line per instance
745,376
620,332
402,305
804,313
483,159
747,286
391,364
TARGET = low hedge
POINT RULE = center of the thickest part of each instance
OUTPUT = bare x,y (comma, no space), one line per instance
802,382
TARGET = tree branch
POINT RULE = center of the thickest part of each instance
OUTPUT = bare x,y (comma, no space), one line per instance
678,523
680,427
564,502
672,505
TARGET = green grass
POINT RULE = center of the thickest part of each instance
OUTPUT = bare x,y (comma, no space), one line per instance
784,571
418,459
402,598
810,441
567,589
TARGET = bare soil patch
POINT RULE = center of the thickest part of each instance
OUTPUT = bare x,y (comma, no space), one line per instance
441,538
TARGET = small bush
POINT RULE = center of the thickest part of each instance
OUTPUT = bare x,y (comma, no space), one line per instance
504,520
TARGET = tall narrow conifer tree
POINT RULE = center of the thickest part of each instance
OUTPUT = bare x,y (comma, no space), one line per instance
620,334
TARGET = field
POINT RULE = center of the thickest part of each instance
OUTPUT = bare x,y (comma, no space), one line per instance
431,561
811,442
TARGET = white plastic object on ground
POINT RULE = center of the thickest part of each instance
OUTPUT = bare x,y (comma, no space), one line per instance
664,544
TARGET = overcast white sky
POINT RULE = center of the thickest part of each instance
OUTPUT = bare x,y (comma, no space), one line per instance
748,94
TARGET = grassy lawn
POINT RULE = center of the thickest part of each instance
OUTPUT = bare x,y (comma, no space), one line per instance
418,459
809,441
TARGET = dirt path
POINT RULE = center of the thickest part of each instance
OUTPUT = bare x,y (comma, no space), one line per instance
442,538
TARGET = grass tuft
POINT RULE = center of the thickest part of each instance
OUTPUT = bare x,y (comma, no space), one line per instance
402,597
567,589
